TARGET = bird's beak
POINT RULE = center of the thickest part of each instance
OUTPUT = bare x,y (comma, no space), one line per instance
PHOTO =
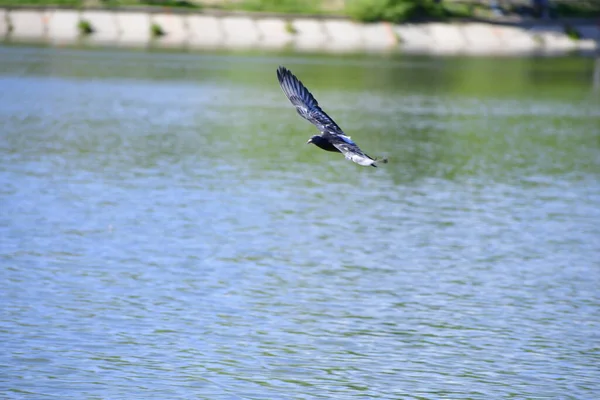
309,141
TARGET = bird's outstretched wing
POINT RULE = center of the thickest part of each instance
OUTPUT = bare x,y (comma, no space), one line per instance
306,105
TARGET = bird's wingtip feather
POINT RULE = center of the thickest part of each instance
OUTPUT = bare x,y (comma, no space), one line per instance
282,70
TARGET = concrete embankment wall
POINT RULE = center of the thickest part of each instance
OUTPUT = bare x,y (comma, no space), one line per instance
234,31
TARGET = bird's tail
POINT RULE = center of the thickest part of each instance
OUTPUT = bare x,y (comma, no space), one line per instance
383,160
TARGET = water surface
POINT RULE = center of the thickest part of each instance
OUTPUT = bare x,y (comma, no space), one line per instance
165,232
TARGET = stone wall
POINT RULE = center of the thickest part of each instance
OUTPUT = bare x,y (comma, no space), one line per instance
235,31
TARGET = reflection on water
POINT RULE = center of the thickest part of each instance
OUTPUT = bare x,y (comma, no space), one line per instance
167,234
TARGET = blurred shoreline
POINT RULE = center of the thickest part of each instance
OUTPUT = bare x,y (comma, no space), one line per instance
215,29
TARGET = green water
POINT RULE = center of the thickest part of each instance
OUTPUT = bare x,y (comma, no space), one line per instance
166,233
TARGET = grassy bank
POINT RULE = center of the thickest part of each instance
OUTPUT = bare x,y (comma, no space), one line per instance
101,3
360,10
403,10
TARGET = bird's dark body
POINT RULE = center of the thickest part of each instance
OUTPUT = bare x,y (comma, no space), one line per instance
332,137
324,144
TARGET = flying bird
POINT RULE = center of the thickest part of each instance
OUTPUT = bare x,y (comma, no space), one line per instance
332,138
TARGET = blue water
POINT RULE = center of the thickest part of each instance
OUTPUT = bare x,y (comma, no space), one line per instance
166,233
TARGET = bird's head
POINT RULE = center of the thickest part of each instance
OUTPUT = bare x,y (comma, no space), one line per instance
313,139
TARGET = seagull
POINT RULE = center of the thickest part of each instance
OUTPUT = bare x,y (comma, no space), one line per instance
332,138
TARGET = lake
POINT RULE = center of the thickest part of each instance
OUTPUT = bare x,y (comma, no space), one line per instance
167,234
